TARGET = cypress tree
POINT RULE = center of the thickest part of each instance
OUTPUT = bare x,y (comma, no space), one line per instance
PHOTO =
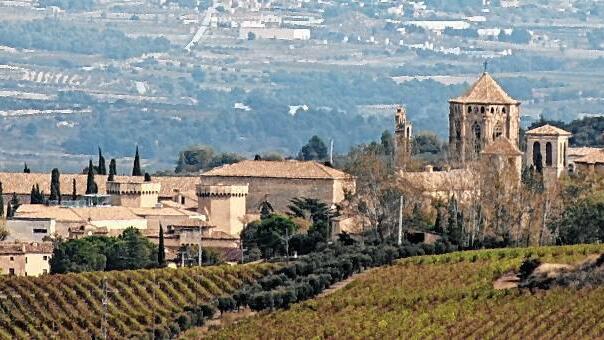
91,187
147,177
26,169
112,170
161,253
9,211
1,200
55,185
102,166
33,198
14,202
136,169
74,192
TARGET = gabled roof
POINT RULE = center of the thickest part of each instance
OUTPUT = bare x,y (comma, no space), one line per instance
502,146
486,90
21,183
594,157
278,169
548,130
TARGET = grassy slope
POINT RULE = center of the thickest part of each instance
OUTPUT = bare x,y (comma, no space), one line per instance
70,306
436,296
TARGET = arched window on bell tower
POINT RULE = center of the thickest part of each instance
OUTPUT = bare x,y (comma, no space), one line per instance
498,131
477,134
537,158
548,154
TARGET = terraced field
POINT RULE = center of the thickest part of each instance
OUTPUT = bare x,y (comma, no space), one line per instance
440,296
71,306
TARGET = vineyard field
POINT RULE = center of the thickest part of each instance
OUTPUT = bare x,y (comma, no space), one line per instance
441,296
70,306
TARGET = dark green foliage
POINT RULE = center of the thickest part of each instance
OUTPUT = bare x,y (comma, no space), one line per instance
136,167
74,192
203,157
14,201
226,304
9,211
55,185
266,208
426,142
147,177
36,196
57,35
130,250
91,186
102,168
26,170
581,222
527,267
161,249
112,170
269,233
315,150
1,200
387,143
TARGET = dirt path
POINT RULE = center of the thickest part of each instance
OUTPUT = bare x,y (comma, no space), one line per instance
233,317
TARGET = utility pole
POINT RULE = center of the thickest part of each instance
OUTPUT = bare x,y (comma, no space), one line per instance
199,247
400,222
105,303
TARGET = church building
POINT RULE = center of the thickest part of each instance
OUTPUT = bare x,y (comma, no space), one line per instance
480,116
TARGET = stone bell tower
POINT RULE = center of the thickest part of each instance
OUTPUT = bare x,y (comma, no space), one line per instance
402,139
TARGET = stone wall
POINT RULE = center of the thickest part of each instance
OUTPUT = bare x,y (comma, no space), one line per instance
281,190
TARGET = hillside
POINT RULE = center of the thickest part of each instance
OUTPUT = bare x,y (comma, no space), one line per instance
71,306
435,296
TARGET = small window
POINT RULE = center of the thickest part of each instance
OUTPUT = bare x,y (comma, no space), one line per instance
44,271
12,258
11,271
482,109
503,110
25,259
40,231
492,110
182,200
469,109
45,258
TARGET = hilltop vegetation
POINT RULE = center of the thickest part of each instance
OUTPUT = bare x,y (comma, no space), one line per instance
441,296
141,302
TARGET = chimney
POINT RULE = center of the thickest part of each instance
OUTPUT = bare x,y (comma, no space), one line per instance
428,168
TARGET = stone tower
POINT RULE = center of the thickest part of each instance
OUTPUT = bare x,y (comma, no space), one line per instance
224,205
479,117
547,150
402,139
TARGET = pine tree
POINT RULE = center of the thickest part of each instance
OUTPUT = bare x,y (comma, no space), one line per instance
1,200
136,169
55,185
74,192
91,187
112,170
161,253
26,169
102,167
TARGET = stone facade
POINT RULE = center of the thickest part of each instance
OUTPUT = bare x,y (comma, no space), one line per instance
280,181
30,229
402,138
479,117
224,205
134,194
547,150
25,259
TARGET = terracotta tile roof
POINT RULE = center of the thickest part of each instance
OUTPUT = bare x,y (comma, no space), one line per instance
278,169
20,248
502,146
456,180
594,157
105,213
548,130
84,215
21,183
485,90
581,151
